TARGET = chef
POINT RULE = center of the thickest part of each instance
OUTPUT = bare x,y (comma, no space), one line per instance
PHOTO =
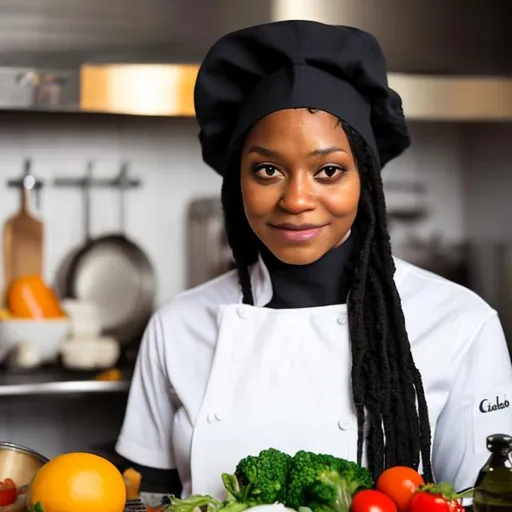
320,339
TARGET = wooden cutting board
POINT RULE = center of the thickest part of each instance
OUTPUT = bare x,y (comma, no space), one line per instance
23,242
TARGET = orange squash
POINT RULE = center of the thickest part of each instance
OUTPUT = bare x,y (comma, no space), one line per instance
132,479
77,482
29,297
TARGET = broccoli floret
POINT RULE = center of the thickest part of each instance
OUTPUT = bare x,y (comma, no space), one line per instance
335,489
304,471
323,482
259,480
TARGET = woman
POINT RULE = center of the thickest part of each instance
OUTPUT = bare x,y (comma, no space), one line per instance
320,340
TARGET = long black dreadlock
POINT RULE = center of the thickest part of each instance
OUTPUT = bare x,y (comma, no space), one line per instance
387,389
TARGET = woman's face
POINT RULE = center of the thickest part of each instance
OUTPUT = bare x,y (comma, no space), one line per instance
300,184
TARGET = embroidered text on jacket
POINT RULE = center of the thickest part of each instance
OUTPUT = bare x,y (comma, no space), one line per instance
486,405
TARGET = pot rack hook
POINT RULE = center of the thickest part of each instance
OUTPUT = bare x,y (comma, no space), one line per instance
28,182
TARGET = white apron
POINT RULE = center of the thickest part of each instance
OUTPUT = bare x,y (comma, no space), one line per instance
264,389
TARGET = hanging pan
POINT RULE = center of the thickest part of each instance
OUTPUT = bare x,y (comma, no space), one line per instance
115,274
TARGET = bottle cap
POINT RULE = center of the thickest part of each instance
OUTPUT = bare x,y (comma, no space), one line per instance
498,442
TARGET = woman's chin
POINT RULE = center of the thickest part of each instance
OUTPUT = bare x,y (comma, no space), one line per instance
297,255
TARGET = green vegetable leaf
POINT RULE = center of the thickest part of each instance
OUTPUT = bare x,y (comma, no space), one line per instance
232,486
446,490
234,507
38,507
195,503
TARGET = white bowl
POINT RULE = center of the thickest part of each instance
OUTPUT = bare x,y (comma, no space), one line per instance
43,337
90,353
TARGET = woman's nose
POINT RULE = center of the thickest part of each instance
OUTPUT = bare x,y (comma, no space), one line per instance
298,195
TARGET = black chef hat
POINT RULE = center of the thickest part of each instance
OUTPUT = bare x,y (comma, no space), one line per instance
255,71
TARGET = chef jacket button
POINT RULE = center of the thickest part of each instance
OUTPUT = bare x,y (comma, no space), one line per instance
243,313
218,417
211,418
344,424
342,319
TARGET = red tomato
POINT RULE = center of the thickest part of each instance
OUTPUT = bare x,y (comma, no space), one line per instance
8,492
400,483
372,501
428,502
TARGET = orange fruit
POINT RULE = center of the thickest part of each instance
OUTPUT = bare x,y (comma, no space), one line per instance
29,297
77,482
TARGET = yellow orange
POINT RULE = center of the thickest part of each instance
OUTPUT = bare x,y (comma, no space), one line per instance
77,482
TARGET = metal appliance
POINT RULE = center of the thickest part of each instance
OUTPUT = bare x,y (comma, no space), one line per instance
490,276
208,252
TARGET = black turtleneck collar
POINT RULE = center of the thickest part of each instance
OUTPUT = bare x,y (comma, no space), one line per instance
324,282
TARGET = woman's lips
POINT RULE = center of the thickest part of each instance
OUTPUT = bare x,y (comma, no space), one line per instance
297,233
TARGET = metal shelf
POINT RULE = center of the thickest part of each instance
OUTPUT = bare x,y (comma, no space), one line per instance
62,388
455,98
56,381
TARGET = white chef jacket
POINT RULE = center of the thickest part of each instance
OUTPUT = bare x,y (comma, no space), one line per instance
217,380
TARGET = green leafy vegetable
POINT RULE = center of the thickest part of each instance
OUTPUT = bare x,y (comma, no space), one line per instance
324,483
195,502
306,482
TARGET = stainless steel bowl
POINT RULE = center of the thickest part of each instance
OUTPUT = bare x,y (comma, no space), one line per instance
19,463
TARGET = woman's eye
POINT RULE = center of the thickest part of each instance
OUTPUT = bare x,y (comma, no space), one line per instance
267,171
330,172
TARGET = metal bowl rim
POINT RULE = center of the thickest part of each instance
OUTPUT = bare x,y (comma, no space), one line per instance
21,448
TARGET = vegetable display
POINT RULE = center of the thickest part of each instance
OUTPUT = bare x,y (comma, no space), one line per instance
307,482
274,481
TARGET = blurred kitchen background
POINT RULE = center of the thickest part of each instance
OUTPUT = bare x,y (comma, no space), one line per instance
95,102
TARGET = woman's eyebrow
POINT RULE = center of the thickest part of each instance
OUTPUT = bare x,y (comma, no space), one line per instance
327,151
260,150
